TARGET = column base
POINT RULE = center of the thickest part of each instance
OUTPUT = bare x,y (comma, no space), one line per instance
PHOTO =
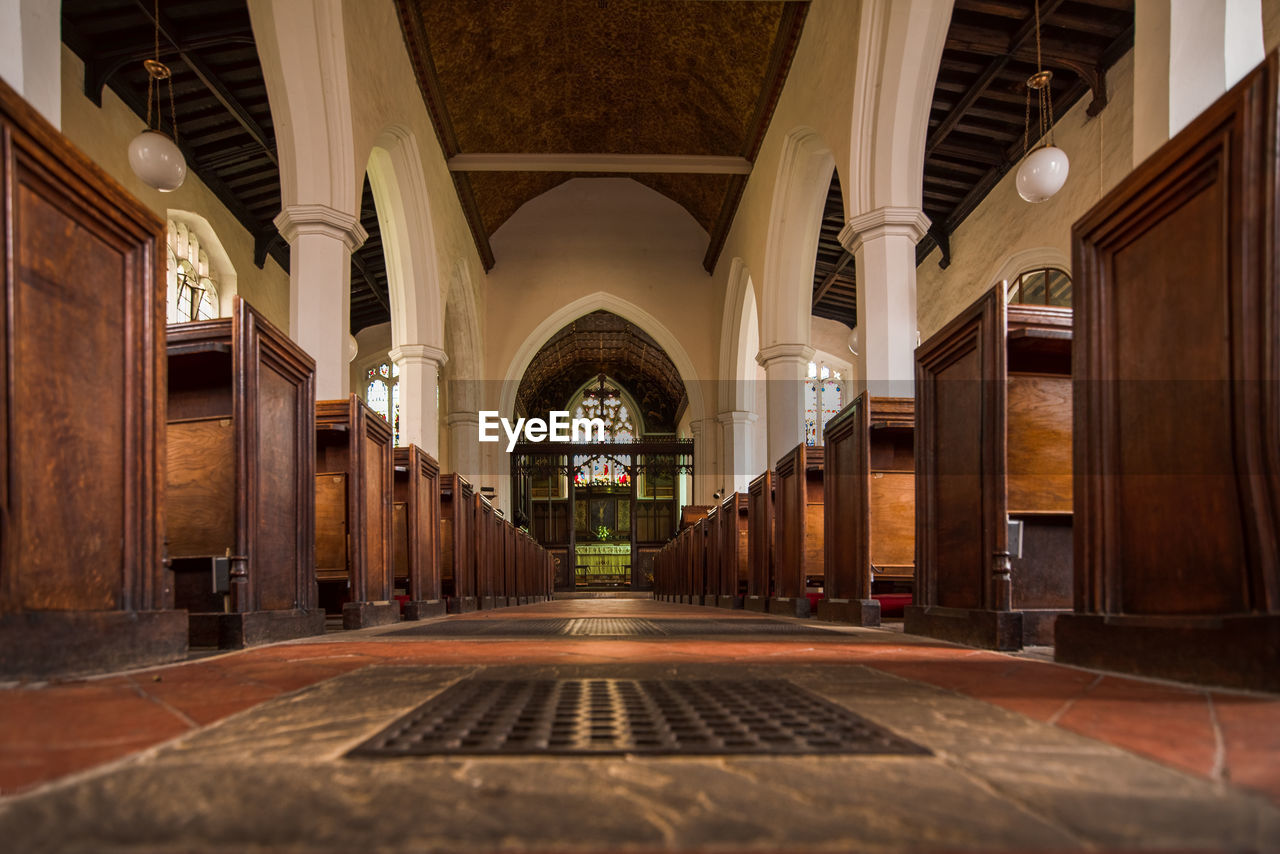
253,628
857,612
789,606
423,609
364,615
759,604
1232,652
730,603
1000,630
41,644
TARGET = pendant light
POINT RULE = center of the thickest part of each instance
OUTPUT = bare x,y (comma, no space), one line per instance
153,154
1043,170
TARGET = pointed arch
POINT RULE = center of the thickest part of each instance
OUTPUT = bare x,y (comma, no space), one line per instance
795,221
408,240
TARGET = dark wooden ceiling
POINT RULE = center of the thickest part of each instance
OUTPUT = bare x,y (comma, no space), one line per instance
224,120
979,102
591,77
603,343
834,292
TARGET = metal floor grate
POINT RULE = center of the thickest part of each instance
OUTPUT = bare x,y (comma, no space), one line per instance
612,627
618,716
607,627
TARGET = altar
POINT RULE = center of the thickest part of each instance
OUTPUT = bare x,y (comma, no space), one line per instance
603,565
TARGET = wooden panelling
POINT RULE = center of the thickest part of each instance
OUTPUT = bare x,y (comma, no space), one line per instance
201,490
1039,450
799,521
457,542
417,488
82,586
760,543
1177,544
331,526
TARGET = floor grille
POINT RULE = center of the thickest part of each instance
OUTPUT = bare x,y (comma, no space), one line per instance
619,716
611,627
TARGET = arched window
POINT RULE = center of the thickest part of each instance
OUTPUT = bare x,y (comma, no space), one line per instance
1044,286
605,401
383,394
823,398
193,291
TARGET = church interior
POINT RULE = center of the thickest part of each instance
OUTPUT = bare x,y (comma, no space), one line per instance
926,355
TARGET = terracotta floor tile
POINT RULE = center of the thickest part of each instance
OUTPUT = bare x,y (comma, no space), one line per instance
1251,740
1169,724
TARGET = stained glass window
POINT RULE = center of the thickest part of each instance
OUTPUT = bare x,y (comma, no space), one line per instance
823,398
604,401
192,291
383,394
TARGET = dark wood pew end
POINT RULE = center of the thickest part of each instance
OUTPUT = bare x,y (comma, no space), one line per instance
1231,652
732,603
254,628
42,644
789,606
462,604
857,612
365,615
423,609
759,604
1001,630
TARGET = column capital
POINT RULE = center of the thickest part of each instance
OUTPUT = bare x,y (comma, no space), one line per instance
783,353
420,353
883,222
737,416
297,220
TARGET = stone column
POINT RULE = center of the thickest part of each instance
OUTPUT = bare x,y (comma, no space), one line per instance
321,240
420,366
786,367
883,242
707,470
31,54
1185,56
738,430
464,443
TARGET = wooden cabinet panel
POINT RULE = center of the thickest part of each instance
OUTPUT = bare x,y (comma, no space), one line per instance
201,488
331,527
1039,446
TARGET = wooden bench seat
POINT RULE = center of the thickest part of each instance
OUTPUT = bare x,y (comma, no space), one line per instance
239,514
798,527
869,494
993,429
354,488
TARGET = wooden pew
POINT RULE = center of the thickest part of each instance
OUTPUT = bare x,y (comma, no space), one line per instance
1177,541
240,499
84,586
733,566
798,529
509,563
869,500
416,529
993,422
354,476
488,546
457,544
699,557
759,543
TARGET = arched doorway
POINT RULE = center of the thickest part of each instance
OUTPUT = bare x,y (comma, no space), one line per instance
603,506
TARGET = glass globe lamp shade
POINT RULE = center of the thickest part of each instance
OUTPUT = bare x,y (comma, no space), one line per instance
1042,173
353,348
155,159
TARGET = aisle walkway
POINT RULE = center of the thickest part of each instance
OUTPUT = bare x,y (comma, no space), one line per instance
655,727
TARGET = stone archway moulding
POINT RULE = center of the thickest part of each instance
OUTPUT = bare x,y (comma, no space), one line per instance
737,367
624,309
1017,263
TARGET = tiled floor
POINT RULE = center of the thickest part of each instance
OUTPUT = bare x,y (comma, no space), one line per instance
247,748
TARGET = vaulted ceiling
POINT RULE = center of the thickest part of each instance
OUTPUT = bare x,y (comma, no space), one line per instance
603,343
552,81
